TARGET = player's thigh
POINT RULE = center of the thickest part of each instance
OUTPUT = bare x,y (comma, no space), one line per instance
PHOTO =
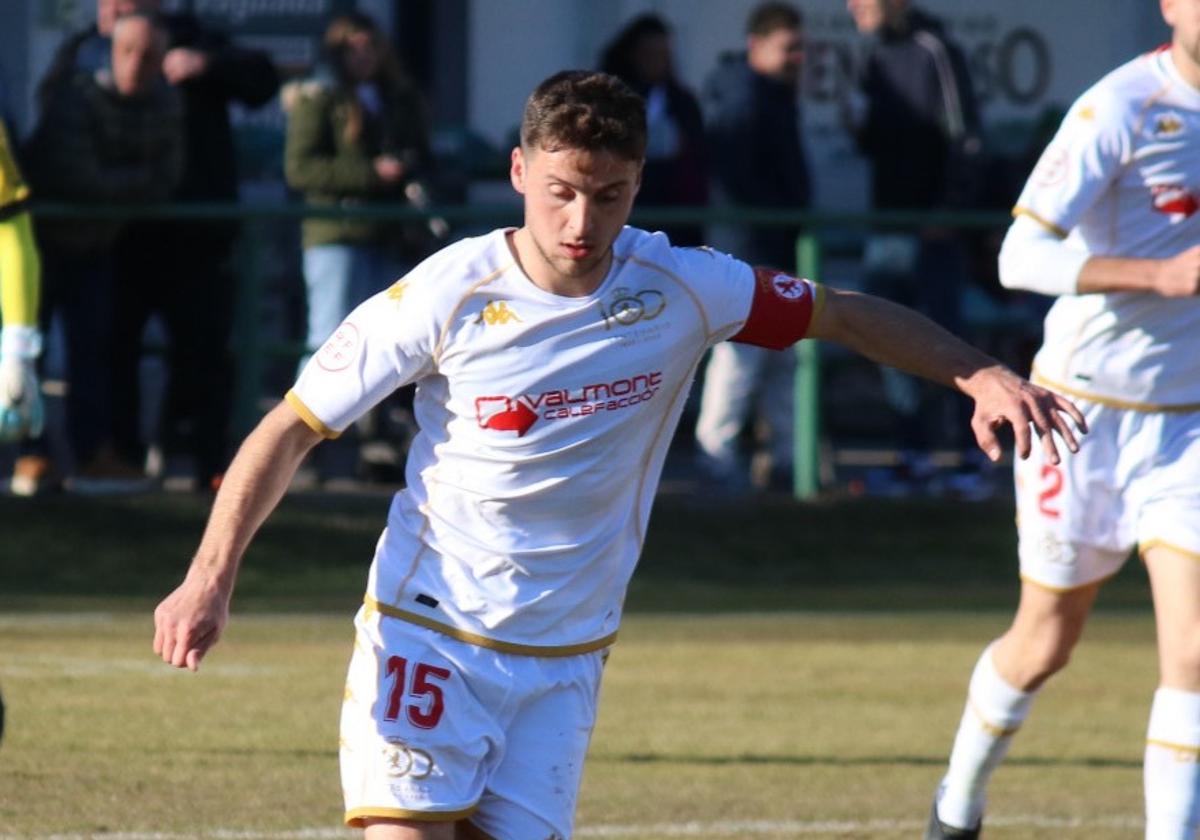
1074,528
534,791
419,731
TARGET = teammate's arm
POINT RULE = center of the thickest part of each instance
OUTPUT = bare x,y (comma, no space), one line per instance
901,338
1034,258
190,620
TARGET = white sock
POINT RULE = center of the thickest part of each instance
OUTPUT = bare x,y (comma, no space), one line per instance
1172,766
995,710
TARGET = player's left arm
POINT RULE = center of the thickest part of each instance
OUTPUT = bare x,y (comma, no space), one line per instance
892,335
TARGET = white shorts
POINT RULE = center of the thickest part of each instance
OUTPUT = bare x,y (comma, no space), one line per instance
438,729
1134,482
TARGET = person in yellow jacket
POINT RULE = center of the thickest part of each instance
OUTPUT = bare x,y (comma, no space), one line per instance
21,413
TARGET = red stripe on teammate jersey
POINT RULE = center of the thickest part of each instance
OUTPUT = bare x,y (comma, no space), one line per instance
781,311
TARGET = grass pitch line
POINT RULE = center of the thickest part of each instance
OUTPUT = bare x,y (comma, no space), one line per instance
731,828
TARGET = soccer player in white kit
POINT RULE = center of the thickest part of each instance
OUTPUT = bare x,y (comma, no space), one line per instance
1108,222
552,362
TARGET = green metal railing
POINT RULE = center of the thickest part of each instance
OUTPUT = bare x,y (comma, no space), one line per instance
252,350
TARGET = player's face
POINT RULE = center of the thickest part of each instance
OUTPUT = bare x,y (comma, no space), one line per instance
361,57
576,202
1183,16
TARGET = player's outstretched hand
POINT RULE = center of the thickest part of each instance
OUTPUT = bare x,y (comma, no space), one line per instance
1001,397
189,621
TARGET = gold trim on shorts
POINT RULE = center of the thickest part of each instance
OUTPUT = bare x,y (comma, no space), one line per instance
1157,543
355,816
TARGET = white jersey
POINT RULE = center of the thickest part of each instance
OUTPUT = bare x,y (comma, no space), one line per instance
544,423
1122,178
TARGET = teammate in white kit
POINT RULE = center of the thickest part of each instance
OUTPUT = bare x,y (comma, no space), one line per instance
1108,222
552,362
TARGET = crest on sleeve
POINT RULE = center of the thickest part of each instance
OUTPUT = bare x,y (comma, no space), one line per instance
339,349
789,288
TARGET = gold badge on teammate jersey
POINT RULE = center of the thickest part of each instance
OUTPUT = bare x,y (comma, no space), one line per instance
1168,126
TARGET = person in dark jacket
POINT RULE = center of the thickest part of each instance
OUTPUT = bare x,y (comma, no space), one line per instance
110,136
915,118
758,160
676,170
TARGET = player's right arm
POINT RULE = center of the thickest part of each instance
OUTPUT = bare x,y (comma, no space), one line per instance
1088,153
191,619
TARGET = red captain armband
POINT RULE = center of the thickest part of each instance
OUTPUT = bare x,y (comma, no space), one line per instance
781,311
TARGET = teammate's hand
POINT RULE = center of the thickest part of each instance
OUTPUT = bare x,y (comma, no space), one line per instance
21,411
1179,276
1001,397
189,621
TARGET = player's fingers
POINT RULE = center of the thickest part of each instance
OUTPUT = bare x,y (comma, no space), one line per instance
193,659
1065,432
1022,436
985,436
1064,404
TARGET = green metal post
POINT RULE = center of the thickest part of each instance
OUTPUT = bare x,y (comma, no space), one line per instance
807,439
247,344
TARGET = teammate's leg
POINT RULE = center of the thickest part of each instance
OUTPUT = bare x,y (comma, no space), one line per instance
1172,759
1007,676
730,381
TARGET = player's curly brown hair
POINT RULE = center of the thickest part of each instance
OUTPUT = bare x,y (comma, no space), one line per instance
582,109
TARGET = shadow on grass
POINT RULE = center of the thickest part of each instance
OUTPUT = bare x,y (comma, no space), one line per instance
851,761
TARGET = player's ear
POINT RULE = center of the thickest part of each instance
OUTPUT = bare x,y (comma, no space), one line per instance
516,173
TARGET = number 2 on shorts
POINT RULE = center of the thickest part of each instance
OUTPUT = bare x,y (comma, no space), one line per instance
425,679
1053,478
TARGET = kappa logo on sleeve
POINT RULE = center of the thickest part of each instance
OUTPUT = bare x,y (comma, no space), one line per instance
339,349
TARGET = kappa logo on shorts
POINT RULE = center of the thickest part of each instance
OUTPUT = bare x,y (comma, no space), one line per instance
403,761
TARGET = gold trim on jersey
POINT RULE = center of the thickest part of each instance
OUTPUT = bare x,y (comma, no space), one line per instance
483,641
1058,231
1182,752
436,355
1156,408
311,420
1157,543
356,817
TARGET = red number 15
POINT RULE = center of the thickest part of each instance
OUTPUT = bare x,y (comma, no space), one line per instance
424,715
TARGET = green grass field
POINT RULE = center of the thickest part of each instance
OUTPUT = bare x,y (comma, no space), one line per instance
785,671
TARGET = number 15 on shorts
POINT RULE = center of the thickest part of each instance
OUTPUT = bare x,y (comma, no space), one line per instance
416,692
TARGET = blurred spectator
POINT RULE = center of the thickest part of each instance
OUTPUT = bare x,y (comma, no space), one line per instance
915,118
758,160
676,170
21,412
108,136
358,132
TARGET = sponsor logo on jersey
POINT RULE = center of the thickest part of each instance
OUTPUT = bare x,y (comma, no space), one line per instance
1175,200
339,349
497,312
625,308
404,762
1168,125
396,290
518,414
